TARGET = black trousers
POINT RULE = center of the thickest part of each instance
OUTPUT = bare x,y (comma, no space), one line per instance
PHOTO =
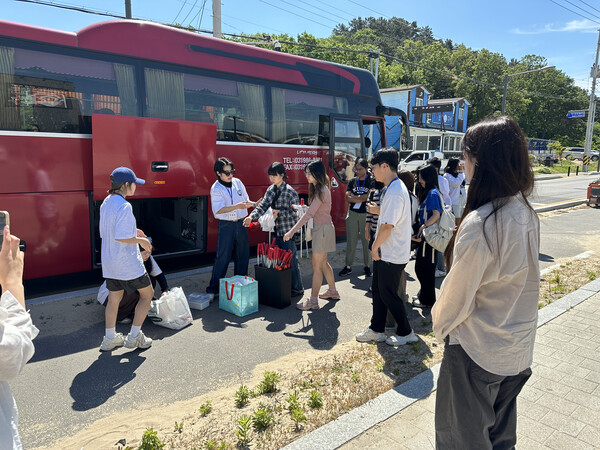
386,280
425,271
475,409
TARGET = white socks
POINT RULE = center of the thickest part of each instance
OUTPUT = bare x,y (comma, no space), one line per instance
109,333
135,331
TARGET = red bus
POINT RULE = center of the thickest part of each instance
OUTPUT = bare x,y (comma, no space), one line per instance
167,103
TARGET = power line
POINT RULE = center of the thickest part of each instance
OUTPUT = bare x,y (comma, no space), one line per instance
584,10
298,15
74,8
574,12
324,10
180,9
189,12
589,5
305,10
372,10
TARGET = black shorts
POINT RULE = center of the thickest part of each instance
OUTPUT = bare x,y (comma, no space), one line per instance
128,286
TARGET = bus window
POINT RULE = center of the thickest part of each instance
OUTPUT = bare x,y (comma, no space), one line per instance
295,114
51,92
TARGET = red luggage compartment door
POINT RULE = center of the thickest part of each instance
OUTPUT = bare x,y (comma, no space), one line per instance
176,158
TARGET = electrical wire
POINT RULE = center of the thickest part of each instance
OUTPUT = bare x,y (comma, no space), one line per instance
307,11
584,10
325,11
180,9
290,12
574,12
190,11
587,4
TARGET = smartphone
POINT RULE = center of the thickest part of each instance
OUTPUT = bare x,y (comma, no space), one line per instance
4,220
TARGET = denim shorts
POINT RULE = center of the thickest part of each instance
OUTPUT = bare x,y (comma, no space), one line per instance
128,286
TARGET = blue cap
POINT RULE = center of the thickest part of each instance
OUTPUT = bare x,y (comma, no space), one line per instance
125,175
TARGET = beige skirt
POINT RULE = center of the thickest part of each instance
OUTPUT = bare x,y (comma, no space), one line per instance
323,238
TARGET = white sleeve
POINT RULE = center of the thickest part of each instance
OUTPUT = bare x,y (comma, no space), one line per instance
243,189
125,225
156,271
16,335
217,198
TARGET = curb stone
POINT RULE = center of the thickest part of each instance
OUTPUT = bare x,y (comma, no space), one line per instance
352,424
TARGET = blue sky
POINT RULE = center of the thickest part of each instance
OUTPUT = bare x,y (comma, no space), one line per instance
512,28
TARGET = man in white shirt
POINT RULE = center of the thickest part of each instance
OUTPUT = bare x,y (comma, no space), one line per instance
390,253
230,203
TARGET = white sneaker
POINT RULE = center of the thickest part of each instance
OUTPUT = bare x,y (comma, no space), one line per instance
369,336
402,340
110,344
439,273
140,341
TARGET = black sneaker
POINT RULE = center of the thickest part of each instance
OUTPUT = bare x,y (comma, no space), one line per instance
367,271
345,271
296,293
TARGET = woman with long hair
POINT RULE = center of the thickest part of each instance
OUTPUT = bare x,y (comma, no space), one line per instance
430,211
454,173
487,310
323,234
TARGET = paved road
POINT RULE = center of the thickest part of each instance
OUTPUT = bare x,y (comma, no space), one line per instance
68,385
562,189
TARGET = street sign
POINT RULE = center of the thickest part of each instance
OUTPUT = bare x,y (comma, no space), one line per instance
575,114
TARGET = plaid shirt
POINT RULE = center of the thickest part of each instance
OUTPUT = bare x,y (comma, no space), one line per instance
286,218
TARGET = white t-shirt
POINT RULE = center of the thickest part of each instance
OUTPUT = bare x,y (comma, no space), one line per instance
119,261
395,210
454,183
444,189
221,196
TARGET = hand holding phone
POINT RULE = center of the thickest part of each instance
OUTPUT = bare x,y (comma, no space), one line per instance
4,221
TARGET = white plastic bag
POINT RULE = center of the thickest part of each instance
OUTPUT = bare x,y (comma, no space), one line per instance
267,221
171,310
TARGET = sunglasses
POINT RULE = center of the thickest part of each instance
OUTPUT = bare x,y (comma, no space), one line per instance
228,172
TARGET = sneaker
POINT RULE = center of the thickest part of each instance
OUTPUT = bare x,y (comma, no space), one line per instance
370,336
308,304
367,271
390,331
330,295
110,344
417,303
396,340
296,293
345,271
140,341
125,321
439,273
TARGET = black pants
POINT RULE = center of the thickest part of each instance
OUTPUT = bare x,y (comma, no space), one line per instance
475,409
386,280
425,271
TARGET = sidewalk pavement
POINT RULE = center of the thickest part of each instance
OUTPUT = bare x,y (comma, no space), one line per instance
559,407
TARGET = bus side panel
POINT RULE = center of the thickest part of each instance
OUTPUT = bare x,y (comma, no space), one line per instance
56,229
44,162
143,144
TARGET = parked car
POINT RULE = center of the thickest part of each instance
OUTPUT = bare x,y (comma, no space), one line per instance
577,153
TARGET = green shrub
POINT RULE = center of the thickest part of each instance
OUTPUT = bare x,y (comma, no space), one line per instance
263,418
298,417
315,400
243,430
293,401
151,441
242,396
269,383
205,409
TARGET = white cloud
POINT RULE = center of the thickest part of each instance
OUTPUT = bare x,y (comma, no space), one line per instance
584,26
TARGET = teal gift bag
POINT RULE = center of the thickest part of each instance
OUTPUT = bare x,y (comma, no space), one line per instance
238,295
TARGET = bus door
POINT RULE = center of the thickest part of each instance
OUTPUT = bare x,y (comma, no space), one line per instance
176,158
346,145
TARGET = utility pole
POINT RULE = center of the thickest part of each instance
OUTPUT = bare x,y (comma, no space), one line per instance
128,9
217,18
589,131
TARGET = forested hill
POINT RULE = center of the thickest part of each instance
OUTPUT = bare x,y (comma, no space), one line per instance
411,54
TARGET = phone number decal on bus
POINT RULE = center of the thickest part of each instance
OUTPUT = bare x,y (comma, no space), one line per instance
297,163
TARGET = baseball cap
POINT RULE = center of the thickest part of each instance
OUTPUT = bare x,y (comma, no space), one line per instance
125,175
